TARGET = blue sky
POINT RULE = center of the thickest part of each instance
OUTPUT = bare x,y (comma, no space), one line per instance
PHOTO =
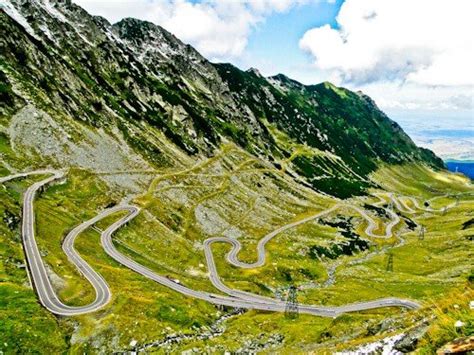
413,57
273,45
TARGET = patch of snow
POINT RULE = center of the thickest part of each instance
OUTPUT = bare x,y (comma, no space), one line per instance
11,11
53,11
114,38
383,347
196,273
47,32
82,36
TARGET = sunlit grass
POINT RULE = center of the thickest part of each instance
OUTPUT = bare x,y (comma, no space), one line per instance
167,237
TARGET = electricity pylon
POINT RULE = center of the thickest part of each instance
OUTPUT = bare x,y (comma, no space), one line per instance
291,308
390,262
421,235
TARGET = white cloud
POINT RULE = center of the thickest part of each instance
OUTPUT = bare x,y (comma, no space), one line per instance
421,41
408,55
218,29
416,97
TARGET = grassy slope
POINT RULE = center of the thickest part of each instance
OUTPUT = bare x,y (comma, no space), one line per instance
24,324
238,191
425,270
167,236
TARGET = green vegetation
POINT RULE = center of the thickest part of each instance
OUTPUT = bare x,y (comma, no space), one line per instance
24,324
210,150
454,307
187,99
330,119
171,221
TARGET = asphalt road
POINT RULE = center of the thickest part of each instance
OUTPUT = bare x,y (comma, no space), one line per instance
37,270
232,256
234,298
236,246
250,301
400,203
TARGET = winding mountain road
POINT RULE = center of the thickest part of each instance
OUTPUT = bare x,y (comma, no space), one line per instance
400,202
232,256
234,298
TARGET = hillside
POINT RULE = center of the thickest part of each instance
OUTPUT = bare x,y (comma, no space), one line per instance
225,191
137,78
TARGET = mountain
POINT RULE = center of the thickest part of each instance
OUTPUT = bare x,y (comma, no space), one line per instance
134,74
138,171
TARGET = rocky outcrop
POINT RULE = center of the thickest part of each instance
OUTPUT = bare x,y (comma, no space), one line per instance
137,81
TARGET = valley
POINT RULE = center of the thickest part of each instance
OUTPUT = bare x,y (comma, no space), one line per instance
236,282
49,299
154,201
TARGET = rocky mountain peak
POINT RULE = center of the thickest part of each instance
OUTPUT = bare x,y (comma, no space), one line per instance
148,38
255,72
135,73
282,81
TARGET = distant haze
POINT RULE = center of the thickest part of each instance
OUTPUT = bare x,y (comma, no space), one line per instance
449,137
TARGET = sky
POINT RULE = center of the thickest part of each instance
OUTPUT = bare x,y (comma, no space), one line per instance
413,57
